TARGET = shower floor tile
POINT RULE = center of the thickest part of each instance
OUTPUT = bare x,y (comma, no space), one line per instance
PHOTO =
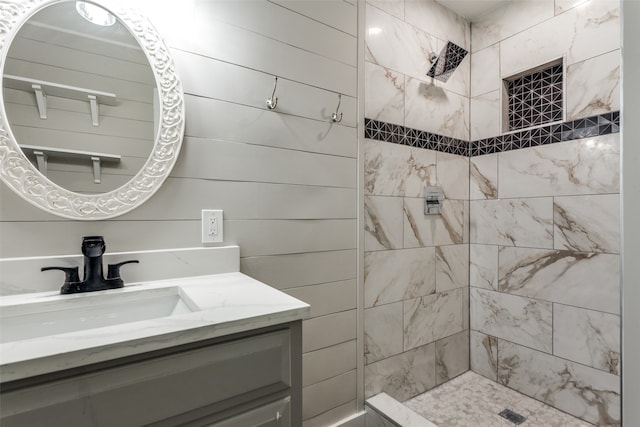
472,400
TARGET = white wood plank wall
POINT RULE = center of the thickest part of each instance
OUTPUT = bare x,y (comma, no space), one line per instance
286,179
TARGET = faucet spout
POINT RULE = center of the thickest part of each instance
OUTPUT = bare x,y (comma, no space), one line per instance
93,247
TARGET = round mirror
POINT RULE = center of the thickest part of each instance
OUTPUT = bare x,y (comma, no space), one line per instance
92,110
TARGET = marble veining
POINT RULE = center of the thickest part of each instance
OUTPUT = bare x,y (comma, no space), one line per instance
483,177
383,223
404,375
508,20
585,166
518,319
452,267
385,94
452,356
484,355
432,317
453,175
396,170
578,34
486,110
439,21
391,276
584,392
483,266
435,109
513,222
588,337
593,86
580,279
487,60
395,44
587,223
430,230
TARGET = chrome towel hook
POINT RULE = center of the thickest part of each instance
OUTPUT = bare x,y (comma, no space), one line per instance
335,117
272,102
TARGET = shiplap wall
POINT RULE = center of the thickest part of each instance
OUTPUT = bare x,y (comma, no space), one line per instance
286,179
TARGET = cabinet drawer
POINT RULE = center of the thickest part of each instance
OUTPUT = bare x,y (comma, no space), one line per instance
276,414
152,390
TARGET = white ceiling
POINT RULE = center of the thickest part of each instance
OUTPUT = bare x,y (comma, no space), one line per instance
472,9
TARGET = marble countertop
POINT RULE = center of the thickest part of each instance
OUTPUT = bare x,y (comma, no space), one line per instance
227,303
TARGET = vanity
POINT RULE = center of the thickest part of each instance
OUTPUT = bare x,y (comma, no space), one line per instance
218,349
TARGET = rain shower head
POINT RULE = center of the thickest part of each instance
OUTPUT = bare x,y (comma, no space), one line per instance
445,64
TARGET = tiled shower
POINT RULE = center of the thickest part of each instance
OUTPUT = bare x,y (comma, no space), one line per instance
518,279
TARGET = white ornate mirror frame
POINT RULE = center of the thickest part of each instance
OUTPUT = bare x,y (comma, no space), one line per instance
23,177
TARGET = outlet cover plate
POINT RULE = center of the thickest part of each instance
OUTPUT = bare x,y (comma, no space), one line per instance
212,231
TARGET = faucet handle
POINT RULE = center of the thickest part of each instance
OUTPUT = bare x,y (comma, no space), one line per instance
113,271
71,278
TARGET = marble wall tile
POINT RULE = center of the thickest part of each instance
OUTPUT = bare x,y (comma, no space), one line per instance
485,70
513,222
585,166
588,337
579,34
484,355
392,43
584,392
452,356
439,21
485,115
391,276
483,266
437,110
433,317
452,267
394,7
385,94
397,170
383,223
514,318
382,332
404,375
508,20
452,173
593,86
579,279
587,223
483,179
433,230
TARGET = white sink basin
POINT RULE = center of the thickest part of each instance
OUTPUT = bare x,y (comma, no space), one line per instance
72,313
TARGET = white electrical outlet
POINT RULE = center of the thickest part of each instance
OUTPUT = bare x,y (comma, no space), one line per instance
212,226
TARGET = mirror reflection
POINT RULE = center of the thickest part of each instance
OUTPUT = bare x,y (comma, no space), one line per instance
80,97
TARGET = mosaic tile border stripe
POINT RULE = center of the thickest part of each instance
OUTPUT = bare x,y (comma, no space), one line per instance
602,124
398,134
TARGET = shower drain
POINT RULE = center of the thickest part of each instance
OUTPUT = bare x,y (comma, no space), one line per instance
512,416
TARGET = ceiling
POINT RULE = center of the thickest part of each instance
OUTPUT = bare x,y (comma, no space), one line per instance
472,9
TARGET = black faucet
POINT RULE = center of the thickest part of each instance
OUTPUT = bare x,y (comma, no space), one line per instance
93,248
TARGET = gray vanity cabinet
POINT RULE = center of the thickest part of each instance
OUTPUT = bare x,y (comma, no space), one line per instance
247,379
